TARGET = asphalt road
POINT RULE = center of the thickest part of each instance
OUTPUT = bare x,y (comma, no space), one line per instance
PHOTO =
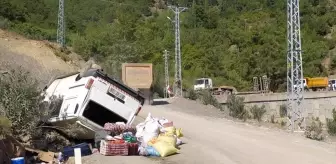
211,139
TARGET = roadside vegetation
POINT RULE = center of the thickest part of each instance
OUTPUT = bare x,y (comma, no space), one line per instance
283,110
236,107
314,130
258,112
23,113
20,103
205,97
331,124
283,114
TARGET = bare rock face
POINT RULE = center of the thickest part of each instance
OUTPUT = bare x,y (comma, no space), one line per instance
88,65
96,66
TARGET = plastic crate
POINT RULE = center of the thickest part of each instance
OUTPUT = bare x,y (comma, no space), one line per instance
133,149
112,148
69,151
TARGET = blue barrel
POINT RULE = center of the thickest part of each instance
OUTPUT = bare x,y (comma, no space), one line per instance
18,160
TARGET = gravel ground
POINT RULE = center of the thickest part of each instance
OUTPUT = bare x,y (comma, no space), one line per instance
211,138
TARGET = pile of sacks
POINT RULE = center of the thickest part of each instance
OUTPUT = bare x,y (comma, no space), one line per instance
158,137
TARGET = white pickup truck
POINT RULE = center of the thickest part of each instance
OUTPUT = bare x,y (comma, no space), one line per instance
93,100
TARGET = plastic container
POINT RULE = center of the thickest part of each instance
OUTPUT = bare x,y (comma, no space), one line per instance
69,151
114,148
152,152
18,160
60,157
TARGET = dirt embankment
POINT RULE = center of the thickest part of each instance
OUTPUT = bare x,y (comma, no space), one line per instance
42,59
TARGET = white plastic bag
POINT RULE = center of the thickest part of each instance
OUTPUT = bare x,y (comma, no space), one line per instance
148,136
120,123
152,127
149,117
163,121
178,142
140,128
148,129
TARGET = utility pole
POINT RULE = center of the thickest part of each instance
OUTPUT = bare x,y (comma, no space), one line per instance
294,66
60,24
166,95
178,71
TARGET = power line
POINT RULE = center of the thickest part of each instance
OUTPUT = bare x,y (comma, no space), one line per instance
295,88
178,71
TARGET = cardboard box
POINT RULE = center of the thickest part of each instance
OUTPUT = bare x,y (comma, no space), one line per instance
46,156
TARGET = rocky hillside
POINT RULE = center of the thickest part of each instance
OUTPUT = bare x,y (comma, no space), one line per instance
41,58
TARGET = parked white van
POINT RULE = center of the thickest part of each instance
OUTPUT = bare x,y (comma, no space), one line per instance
93,100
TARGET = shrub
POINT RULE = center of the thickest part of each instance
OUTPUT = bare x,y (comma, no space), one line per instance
60,53
314,131
208,99
283,110
5,126
331,124
258,112
33,32
273,119
4,23
191,94
282,123
236,107
21,102
205,96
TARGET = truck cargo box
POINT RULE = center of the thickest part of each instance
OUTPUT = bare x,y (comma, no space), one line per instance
139,76
317,82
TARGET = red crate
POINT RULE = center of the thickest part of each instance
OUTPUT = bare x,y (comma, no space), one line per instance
133,149
114,148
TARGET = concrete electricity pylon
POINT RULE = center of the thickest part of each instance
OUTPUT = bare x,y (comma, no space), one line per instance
166,73
60,24
295,86
178,71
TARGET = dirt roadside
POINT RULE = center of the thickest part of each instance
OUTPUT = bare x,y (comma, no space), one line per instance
219,140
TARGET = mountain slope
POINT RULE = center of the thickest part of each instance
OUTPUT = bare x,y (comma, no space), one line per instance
230,41
37,57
